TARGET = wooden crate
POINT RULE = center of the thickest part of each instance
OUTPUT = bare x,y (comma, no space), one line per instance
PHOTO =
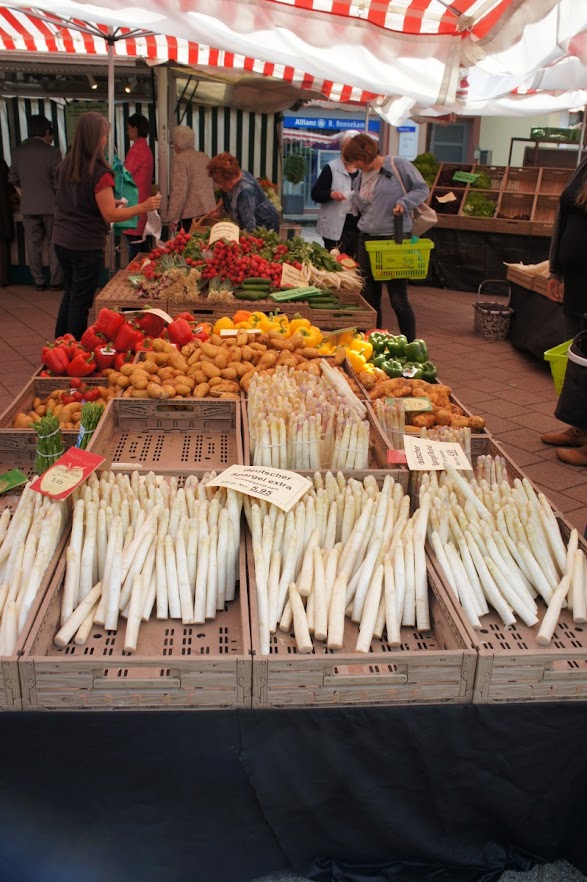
521,180
553,181
211,312
496,174
447,209
513,667
176,666
363,316
21,444
473,222
379,446
545,209
176,437
437,667
515,207
10,692
519,277
118,293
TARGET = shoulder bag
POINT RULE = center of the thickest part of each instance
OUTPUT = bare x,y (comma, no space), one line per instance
423,217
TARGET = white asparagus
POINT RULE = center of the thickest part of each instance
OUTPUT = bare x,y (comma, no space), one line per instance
370,611
148,538
201,575
464,588
67,601
409,611
399,578
306,577
9,630
171,574
320,598
525,612
539,580
183,580
491,590
549,622
302,634
84,630
442,559
212,582
578,583
336,612
133,622
261,580
86,580
70,627
364,581
161,575
273,589
392,623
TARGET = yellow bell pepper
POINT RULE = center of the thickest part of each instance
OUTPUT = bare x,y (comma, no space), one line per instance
262,322
356,360
312,336
364,347
327,348
298,324
223,324
346,338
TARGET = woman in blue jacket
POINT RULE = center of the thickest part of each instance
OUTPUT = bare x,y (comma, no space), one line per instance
379,198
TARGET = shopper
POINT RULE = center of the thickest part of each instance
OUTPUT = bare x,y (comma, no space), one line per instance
6,223
84,209
34,171
191,193
379,198
243,198
139,162
568,282
336,224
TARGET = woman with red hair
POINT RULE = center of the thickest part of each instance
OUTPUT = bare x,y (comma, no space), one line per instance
243,197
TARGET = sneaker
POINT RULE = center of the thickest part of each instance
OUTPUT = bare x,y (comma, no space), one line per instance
567,438
576,457
42,287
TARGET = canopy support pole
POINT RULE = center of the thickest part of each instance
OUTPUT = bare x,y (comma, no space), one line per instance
111,236
582,137
163,87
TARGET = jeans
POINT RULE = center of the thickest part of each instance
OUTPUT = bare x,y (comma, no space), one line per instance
396,288
38,229
81,276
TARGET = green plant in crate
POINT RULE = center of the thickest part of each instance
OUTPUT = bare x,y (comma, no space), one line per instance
294,168
478,205
481,182
428,166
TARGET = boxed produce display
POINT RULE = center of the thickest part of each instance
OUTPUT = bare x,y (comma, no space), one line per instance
33,534
516,574
148,606
350,545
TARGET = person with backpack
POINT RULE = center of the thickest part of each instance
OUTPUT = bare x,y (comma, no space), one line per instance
84,208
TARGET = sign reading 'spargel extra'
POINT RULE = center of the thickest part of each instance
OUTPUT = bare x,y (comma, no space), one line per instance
277,486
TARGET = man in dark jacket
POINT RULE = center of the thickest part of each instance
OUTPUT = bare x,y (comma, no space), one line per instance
33,171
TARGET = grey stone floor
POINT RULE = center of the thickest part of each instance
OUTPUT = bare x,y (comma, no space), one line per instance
560,871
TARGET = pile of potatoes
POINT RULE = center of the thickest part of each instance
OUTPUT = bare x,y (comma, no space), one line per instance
219,368
69,415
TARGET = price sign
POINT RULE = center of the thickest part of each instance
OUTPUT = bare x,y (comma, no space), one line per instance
11,479
425,455
421,405
67,473
291,277
277,486
224,230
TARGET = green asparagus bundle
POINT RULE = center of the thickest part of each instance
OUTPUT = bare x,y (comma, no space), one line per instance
91,413
49,442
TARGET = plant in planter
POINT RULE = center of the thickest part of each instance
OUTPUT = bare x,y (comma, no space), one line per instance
294,171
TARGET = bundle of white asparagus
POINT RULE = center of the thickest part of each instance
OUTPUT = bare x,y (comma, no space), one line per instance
142,542
499,544
346,548
392,416
28,541
299,421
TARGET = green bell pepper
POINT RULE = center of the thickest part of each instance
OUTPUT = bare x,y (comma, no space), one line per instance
416,351
393,368
429,371
412,370
379,342
396,345
379,359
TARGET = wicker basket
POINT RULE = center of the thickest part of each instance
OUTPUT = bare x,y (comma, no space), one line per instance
492,319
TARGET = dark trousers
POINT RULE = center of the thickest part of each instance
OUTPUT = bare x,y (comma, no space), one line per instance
347,244
397,290
81,276
4,261
137,247
38,228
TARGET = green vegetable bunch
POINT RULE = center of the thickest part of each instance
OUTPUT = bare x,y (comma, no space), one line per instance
427,165
49,442
478,205
482,182
91,413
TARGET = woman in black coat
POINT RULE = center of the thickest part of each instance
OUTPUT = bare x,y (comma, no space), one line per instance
6,224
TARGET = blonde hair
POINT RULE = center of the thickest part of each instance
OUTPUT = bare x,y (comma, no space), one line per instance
183,137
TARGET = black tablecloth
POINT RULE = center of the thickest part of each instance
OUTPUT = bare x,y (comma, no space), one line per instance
537,323
413,793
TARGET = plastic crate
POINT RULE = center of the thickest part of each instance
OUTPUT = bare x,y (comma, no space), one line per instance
392,261
436,667
557,358
176,666
169,437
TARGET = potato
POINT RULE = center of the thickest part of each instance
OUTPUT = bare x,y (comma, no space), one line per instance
140,381
199,376
340,356
282,343
298,340
267,360
211,350
242,337
41,409
224,386
36,402
310,352
127,369
195,357
160,345
160,358
231,395
182,390
140,393
168,389
245,380
122,382
154,391
215,340
201,390
221,360
177,361
149,366
229,374
166,373
235,354
34,416
210,370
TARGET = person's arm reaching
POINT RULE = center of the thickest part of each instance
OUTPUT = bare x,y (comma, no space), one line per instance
111,212
322,188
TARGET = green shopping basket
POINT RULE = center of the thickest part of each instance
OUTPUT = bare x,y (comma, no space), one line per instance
558,358
392,261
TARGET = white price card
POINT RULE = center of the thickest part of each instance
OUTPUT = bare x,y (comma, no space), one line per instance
224,230
425,455
291,277
278,486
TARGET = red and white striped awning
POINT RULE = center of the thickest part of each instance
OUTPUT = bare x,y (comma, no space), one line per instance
23,31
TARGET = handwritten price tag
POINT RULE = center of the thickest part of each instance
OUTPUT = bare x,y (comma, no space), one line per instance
67,473
291,277
277,486
424,455
224,230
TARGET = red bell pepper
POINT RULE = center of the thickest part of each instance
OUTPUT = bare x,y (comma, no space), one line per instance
91,338
108,323
93,395
146,345
82,365
180,332
105,356
187,316
46,374
123,358
56,359
151,324
202,332
126,338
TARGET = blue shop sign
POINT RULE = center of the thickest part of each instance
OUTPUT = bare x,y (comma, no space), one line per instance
328,123
406,128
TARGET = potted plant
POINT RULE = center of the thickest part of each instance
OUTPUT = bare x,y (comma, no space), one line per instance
294,171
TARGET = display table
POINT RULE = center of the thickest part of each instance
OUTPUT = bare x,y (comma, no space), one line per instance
444,793
537,323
